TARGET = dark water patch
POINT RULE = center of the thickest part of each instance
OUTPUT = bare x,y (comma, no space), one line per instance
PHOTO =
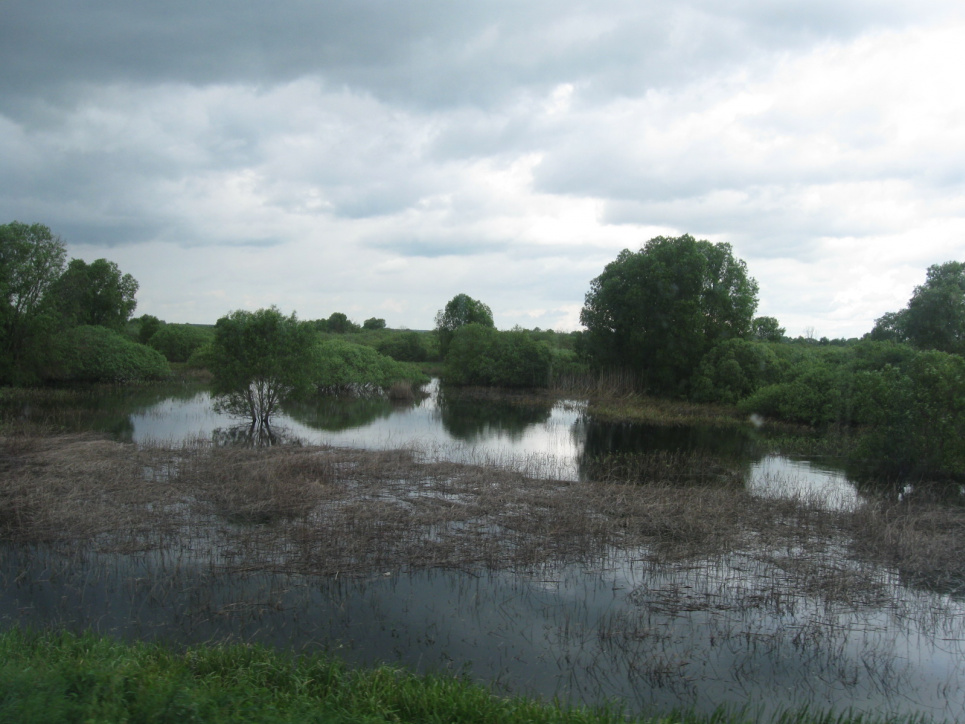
707,633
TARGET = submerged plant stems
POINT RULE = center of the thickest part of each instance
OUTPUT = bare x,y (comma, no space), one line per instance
56,676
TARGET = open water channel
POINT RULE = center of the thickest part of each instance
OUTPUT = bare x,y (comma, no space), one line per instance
702,633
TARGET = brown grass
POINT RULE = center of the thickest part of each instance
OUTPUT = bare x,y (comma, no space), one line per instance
924,540
330,511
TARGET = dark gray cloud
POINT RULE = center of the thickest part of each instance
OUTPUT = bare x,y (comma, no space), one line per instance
427,52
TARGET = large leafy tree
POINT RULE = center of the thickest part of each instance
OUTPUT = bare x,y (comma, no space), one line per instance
31,261
96,294
458,312
935,318
935,315
259,359
656,312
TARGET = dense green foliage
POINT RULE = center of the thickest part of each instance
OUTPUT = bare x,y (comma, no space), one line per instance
935,315
177,342
259,359
481,355
914,416
50,314
147,325
406,346
658,311
96,294
905,407
31,261
734,369
458,312
339,365
98,354
373,323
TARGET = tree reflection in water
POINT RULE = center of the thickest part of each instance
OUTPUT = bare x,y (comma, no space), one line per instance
254,435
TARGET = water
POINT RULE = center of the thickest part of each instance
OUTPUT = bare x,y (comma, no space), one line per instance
733,629
554,437
622,633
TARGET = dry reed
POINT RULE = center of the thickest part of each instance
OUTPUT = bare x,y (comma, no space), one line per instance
330,511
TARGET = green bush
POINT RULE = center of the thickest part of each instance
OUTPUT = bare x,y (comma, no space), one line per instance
405,347
914,418
203,357
177,342
340,365
735,369
98,354
481,355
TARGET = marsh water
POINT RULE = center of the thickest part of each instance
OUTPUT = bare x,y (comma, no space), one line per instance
546,436
698,633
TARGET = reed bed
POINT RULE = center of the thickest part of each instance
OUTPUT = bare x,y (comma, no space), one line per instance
713,577
327,511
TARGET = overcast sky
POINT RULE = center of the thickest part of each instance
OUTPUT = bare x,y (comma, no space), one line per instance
378,158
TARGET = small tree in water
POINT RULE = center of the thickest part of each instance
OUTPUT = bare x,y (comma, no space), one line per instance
259,359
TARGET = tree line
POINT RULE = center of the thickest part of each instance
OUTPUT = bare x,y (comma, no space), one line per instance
676,318
63,320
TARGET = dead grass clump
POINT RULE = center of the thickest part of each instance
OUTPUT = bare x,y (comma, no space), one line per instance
660,411
401,392
258,485
675,467
924,541
71,487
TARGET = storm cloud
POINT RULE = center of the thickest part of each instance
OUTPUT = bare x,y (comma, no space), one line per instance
378,158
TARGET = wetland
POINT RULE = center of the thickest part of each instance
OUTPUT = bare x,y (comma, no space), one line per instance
516,539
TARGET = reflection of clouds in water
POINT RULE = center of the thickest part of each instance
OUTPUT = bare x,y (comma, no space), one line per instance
542,445
780,477
547,441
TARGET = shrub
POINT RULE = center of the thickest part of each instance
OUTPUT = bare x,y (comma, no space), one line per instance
177,342
481,355
98,354
914,418
405,347
735,369
339,365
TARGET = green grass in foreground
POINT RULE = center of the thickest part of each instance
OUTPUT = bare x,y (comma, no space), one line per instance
61,677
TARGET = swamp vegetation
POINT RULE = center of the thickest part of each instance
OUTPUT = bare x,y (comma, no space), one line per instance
658,580
605,518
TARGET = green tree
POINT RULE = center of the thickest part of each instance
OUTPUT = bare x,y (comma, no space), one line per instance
148,324
258,359
373,323
889,327
935,317
31,261
339,323
481,355
177,342
460,311
767,329
96,294
658,311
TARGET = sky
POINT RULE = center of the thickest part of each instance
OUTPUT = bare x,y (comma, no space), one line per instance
378,157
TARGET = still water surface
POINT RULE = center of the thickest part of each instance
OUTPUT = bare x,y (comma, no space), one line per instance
699,633
553,437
